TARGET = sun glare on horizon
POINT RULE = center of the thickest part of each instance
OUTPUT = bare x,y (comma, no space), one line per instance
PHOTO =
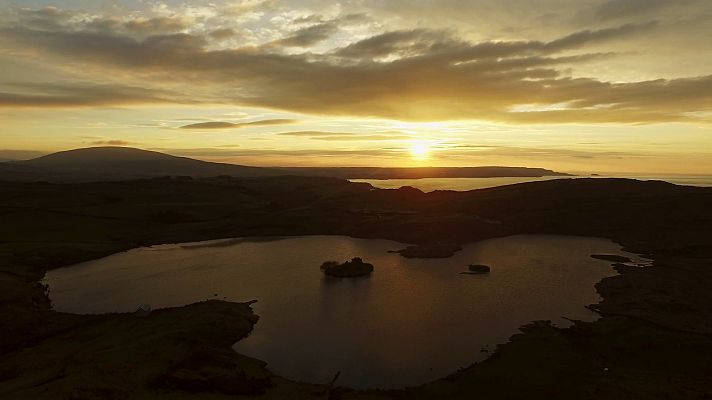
420,150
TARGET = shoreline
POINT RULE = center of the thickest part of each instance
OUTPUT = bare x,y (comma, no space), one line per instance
492,354
233,240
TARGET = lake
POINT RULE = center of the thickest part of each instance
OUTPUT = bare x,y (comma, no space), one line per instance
411,321
463,184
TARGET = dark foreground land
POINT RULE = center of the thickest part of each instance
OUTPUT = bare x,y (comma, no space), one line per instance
654,339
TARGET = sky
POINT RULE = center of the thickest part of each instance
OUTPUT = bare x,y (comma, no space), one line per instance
572,85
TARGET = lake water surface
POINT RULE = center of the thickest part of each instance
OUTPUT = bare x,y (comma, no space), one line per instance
463,184
411,321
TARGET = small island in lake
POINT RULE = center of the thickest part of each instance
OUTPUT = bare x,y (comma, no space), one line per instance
349,269
433,250
477,269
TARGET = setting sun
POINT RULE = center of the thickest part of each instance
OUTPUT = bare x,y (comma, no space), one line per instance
419,150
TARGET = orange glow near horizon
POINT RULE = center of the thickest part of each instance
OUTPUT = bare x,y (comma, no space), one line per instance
420,150
367,83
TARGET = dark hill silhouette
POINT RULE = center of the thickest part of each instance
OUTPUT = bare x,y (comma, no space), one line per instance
126,163
120,163
13,171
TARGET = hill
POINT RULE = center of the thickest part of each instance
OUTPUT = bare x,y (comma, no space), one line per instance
119,163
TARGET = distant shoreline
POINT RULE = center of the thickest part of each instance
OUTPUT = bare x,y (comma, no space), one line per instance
385,173
466,184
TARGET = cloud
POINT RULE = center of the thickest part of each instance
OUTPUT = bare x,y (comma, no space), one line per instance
309,153
223,33
48,18
520,152
310,35
411,74
615,9
367,138
78,94
581,38
237,9
349,136
210,125
400,43
152,26
55,19
312,133
319,31
232,125
114,142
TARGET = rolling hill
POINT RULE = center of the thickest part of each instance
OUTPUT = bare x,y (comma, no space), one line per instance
119,163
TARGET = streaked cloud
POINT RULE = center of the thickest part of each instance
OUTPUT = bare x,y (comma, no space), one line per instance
419,74
236,125
78,94
310,35
112,142
318,32
349,136
310,153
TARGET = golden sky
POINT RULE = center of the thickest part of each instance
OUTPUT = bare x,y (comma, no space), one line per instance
571,85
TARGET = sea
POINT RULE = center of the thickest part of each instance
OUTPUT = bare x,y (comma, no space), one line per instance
464,184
